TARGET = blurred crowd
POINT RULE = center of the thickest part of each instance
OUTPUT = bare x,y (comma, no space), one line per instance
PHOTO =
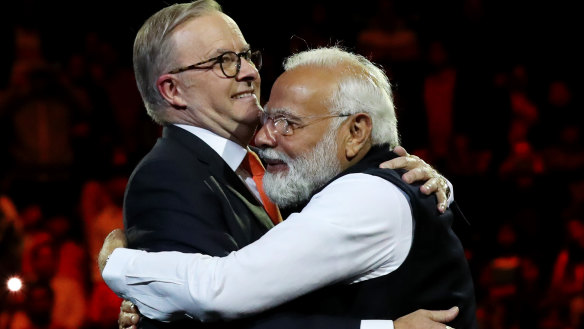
502,126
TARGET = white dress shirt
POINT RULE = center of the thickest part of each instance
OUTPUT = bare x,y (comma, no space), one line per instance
357,228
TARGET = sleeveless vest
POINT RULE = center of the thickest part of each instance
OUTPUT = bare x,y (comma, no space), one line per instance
434,276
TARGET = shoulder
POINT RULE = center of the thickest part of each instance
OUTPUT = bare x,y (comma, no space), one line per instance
361,186
170,156
360,196
168,166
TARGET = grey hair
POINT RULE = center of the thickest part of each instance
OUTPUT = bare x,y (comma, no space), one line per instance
363,88
153,49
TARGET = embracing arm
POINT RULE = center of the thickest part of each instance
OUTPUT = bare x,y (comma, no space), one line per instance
160,216
417,171
324,244
420,319
170,282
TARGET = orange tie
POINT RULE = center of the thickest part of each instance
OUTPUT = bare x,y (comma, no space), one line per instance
253,165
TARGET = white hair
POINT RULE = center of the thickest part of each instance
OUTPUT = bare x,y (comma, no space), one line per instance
363,88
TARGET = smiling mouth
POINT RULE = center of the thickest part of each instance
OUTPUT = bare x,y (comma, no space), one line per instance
244,95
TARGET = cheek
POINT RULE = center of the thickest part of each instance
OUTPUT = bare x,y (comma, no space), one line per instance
340,146
216,93
296,147
257,84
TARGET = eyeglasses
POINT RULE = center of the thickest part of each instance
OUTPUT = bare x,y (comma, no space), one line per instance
285,126
229,61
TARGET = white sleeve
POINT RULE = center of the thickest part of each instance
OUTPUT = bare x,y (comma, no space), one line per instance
376,324
451,196
350,229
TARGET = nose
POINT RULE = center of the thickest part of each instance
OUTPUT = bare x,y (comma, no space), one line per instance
248,72
265,137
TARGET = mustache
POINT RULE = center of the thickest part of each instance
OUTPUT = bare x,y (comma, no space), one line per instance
271,154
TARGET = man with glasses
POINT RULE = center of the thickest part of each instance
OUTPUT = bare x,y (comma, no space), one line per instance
192,192
229,62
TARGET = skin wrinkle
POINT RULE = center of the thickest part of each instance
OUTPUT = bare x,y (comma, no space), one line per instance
314,154
216,109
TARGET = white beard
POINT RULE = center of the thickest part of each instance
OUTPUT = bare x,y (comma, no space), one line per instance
305,174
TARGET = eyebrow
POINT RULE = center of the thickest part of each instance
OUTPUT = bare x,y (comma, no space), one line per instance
220,51
279,111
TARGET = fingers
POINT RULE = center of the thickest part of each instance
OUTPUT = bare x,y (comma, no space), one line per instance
430,186
128,317
407,162
127,320
400,151
395,163
442,205
116,239
438,186
404,160
443,316
128,306
426,319
424,173
434,182
419,170
117,235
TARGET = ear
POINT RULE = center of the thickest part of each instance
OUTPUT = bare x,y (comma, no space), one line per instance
168,87
359,134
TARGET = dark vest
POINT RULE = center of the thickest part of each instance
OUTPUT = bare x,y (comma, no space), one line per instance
434,276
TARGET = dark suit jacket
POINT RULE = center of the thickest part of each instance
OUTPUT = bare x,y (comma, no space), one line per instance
183,197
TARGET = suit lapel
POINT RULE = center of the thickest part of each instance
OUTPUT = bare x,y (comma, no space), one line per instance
257,210
221,173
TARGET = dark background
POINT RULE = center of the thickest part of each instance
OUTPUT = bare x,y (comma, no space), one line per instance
484,33
515,158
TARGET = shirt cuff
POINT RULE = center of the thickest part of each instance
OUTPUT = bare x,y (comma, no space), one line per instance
451,196
114,272
376,324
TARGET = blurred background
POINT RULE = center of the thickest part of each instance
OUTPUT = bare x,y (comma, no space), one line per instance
486,91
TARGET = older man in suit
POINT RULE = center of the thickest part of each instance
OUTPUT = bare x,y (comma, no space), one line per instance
193,192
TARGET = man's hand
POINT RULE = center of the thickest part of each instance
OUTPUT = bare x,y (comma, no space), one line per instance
426,319
129,316
419,170
116,239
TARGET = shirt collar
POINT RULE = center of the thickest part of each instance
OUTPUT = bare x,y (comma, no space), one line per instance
231,152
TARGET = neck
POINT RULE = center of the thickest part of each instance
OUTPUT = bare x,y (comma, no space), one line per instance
239,133
347,163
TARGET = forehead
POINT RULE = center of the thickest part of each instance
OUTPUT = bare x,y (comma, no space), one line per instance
303,91
207,35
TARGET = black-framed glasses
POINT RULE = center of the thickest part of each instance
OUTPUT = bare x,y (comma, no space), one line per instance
285,126
229,61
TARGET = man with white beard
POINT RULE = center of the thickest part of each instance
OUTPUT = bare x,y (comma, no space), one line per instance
328,124
305,173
